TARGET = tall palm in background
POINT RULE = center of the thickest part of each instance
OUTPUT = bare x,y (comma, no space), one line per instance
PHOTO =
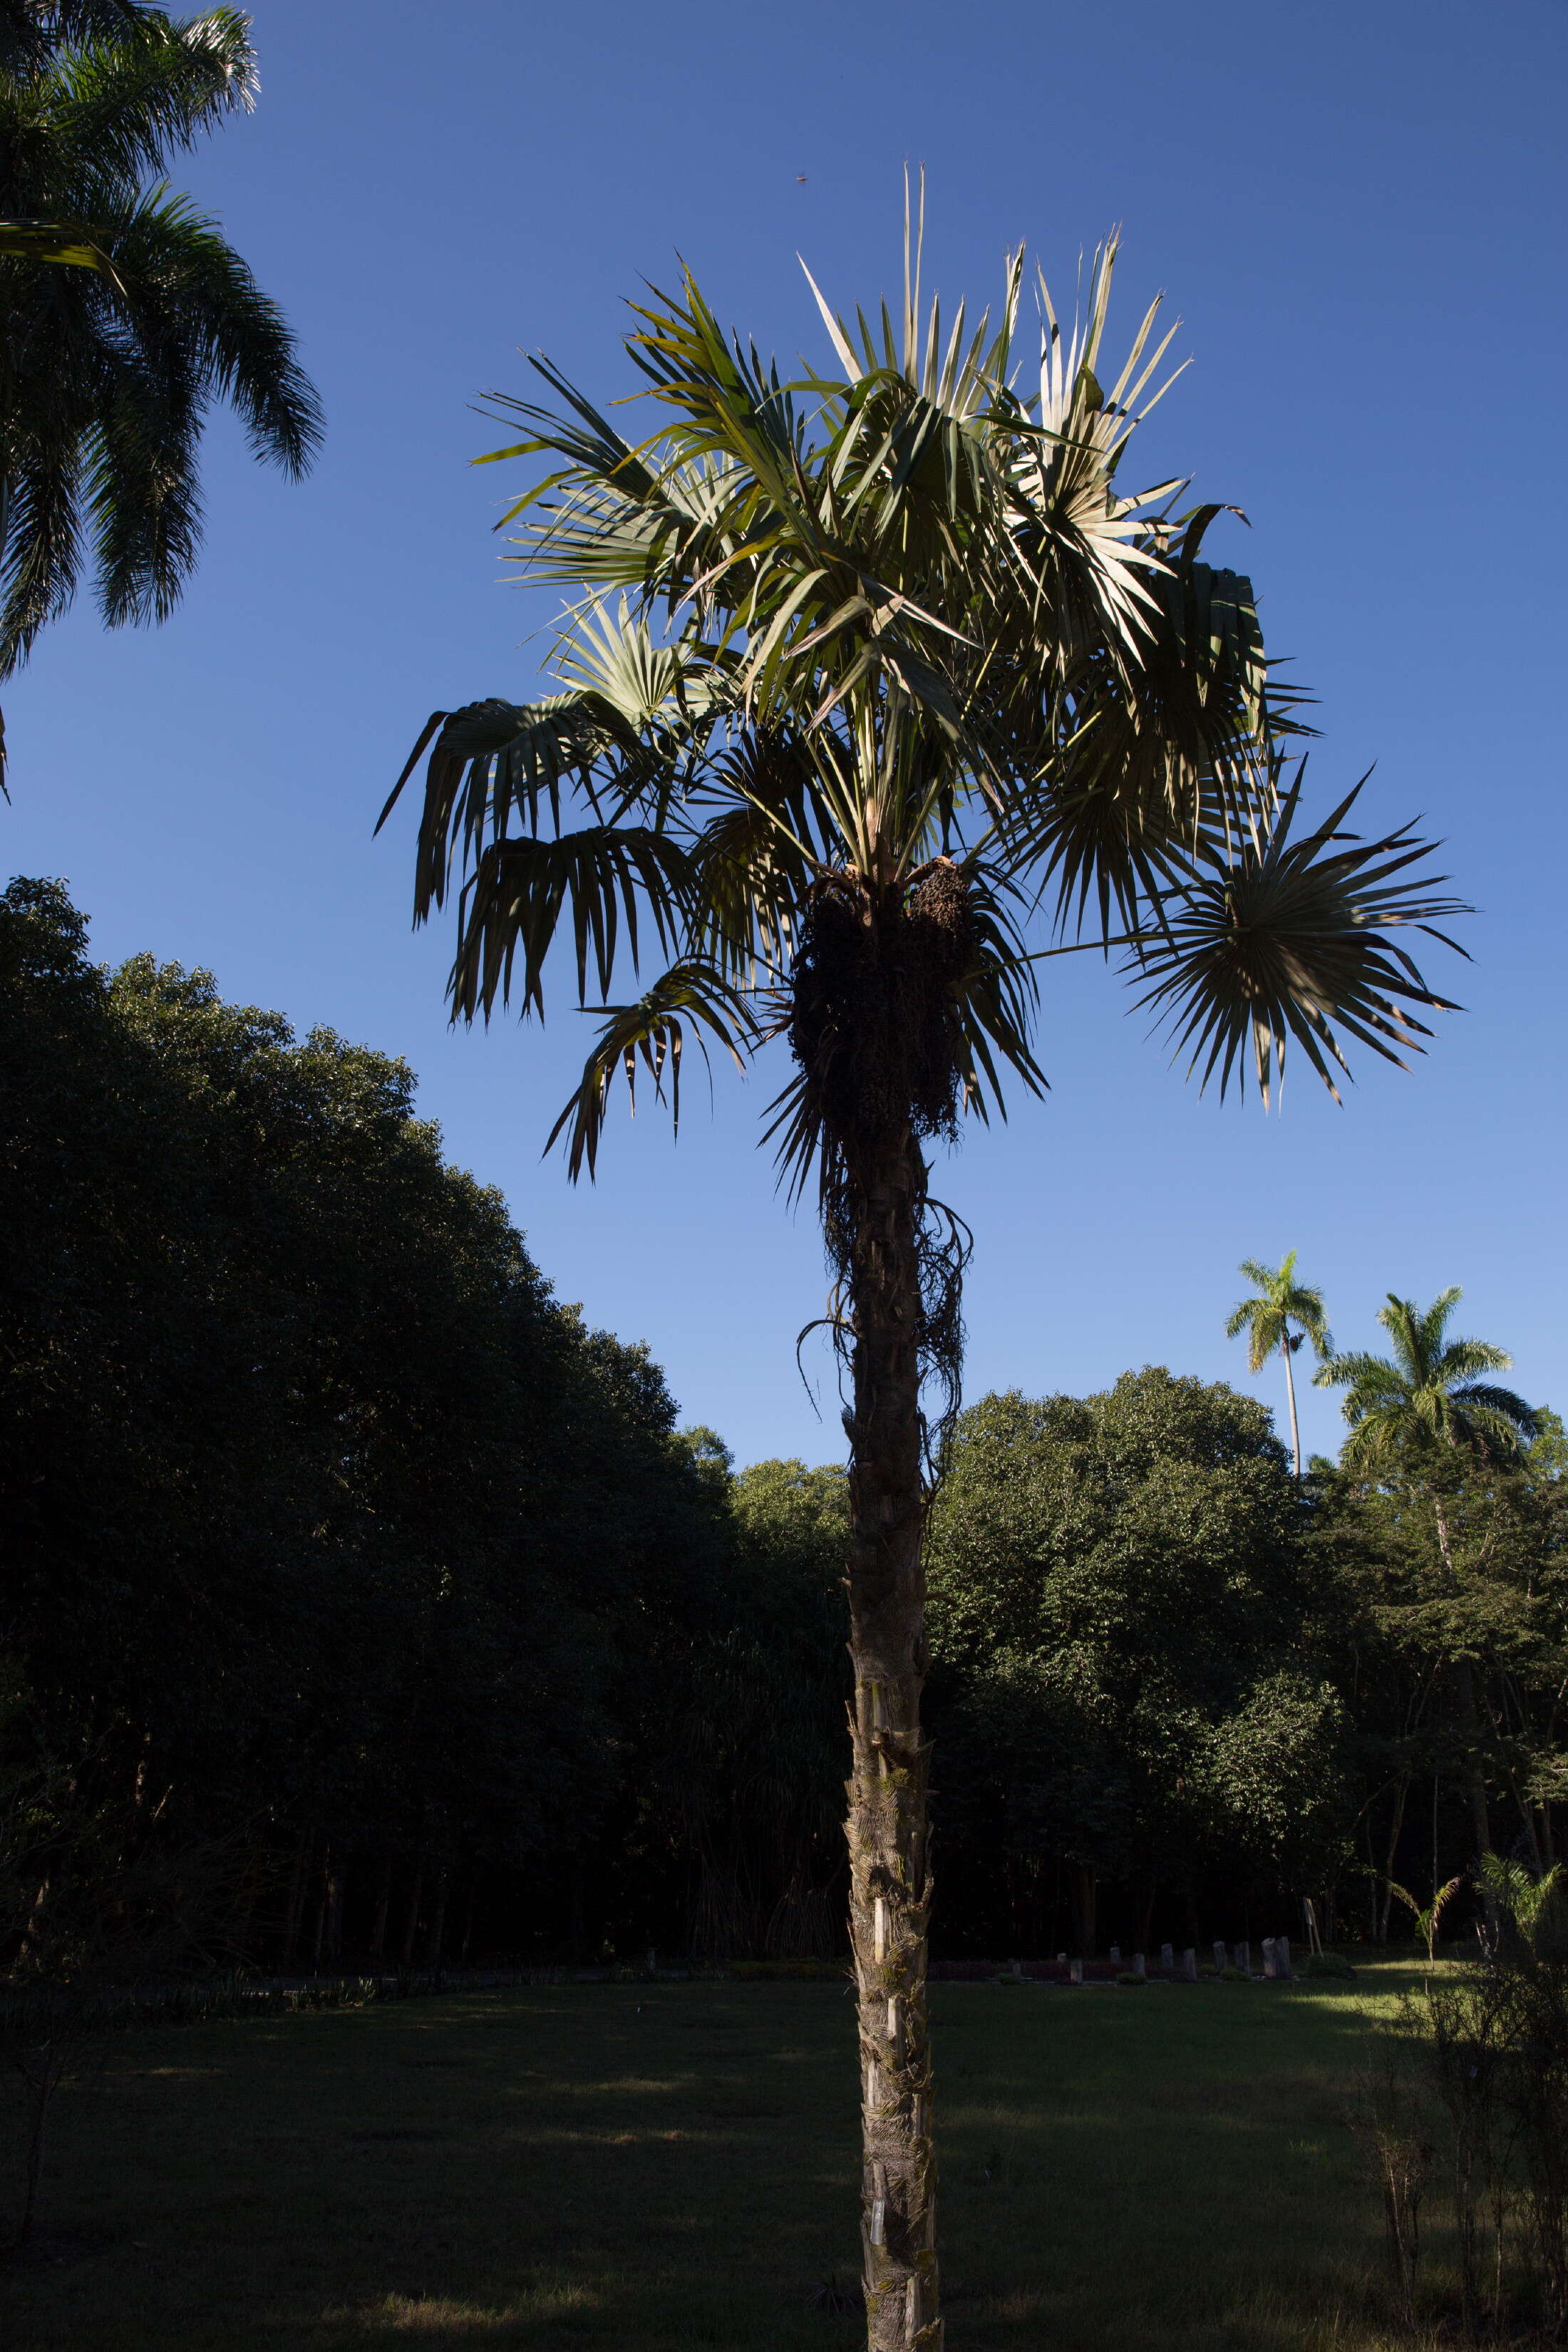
1280,1301
863,670
107,371
1426,1411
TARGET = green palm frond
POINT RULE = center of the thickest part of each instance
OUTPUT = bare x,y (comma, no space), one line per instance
32,32
495,765
1428,1916
1372,1377
110,368
126,105
1278,940
72,245
1532,1909
691,998
1428,1395
1280,1302
598,879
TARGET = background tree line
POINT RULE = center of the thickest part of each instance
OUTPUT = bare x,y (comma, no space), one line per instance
331,1539
329,1531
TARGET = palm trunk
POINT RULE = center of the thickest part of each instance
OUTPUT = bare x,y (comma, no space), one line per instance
889,1881
1290,1391
334,1910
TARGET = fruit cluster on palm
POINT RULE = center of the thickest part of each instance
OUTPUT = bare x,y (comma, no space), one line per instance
863,671
123,312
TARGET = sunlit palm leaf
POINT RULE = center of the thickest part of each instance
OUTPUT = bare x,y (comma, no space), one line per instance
53,241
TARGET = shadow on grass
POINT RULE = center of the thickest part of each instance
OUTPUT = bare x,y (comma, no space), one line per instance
630,2169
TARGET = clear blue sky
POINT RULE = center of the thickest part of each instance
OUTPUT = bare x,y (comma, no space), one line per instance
1358,212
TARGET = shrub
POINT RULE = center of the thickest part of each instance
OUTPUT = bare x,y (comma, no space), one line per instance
1327,1964
1130,1977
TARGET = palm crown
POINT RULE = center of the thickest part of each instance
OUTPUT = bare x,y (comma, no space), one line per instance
1433,1393
865,668
1280,1301
1266,1317
108,369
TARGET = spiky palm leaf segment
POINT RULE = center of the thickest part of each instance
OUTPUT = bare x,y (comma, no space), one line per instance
1432,1395
108,368
864,671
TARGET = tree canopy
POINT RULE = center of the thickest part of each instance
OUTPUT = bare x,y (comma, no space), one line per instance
1126,1680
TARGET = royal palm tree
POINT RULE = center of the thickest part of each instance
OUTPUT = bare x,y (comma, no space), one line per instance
1418,1415
862,669
1278,1302
107,371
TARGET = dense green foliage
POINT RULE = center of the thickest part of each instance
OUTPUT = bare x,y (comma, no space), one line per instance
1128,1688
1458,1574
337,1548
325,1524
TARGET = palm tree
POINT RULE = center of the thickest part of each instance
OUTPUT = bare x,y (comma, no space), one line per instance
107,371
862,669
1423,1411
1430,1399
1279,1301
32,31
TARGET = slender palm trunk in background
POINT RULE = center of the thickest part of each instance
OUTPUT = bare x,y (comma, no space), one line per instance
889,1875
1285,1350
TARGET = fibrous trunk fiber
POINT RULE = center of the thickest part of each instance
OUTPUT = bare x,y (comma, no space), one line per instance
890,1878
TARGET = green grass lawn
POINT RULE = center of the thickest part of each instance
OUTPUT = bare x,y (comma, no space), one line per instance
638,2168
